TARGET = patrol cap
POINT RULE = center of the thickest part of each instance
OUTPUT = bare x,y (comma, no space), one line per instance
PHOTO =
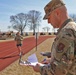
52,5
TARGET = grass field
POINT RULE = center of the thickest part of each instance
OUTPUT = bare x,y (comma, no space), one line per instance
16,69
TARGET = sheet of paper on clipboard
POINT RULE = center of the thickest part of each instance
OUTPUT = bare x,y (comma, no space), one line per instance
32,60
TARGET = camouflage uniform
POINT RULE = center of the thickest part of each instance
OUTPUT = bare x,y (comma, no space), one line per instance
19,39
63,52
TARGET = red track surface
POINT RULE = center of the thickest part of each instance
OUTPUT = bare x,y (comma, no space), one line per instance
9,49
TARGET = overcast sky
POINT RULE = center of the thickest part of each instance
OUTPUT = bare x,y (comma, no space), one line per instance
13,7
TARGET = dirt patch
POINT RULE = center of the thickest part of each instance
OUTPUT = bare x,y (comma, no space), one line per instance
16,69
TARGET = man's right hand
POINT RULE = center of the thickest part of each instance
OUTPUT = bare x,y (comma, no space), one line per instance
36,68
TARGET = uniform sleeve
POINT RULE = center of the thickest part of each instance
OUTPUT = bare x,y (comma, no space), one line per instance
63,51
45,70
65,45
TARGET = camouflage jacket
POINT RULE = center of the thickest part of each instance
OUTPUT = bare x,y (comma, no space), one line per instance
63,52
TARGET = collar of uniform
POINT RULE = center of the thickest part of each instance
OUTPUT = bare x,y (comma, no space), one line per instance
64,24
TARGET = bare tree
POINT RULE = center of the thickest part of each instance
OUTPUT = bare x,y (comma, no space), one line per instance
19,21
9,27
53,29
46,28
73,16
35,19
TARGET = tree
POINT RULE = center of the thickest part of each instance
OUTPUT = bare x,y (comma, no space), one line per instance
19,21
34,19
46,28
9,27
53,29
73,16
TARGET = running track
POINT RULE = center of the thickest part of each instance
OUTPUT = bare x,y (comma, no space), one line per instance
9,48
